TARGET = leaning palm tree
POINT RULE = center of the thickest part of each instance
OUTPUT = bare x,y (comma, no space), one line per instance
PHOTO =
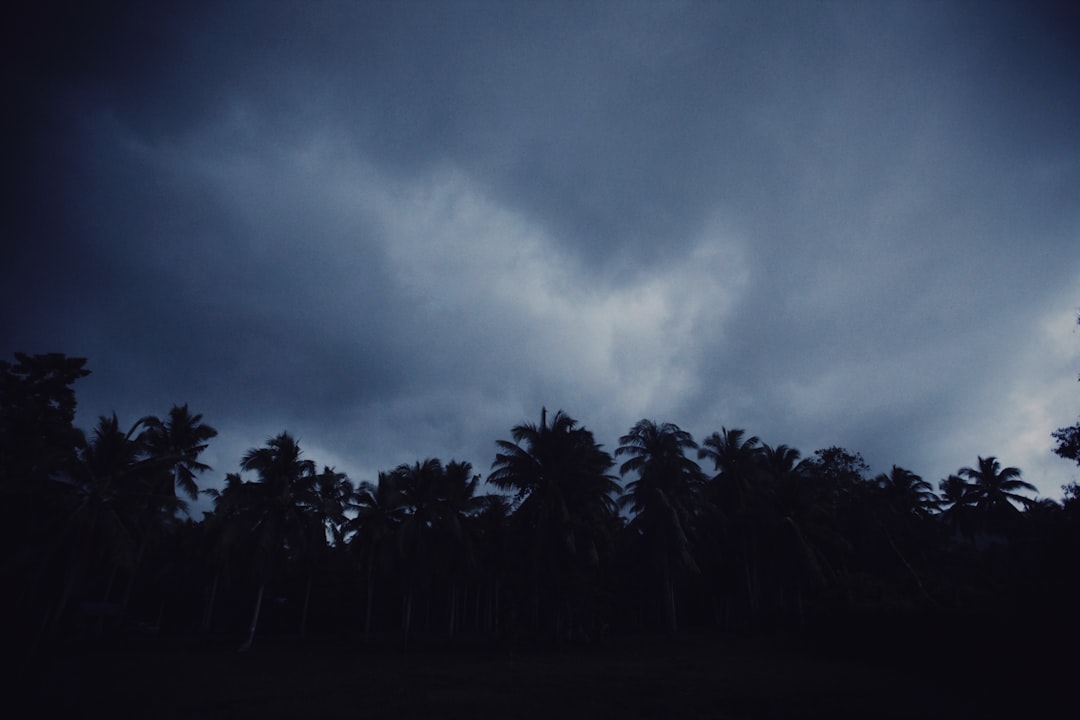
663,499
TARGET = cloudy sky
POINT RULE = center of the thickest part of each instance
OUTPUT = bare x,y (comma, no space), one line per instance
396,230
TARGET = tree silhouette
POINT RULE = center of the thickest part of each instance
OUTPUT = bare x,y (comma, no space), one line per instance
379,510
226,535
1068,438
905,494
115,508
494,554
737,500
1068,442
765,539
459,505
904,504
273,510
420,488
324,508
800,530
38,446
992,492
565,508
37,436
955,502
663,500
176,443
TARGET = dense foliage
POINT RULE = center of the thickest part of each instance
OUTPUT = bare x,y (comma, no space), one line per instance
96,541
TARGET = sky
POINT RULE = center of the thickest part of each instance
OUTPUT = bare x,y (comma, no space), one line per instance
397,230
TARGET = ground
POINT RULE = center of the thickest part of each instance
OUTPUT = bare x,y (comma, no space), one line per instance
690,676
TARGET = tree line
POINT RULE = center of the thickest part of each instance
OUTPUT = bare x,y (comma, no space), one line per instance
561,542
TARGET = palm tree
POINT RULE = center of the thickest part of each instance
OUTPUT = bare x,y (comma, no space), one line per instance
905,494
664,499
226,529
736,500
419,485
170,460
38,445
564,511
992,492
114,507
734,460
379,510
324,508
177,443
490,525
274,508
904,503
799,527
955,502
459,506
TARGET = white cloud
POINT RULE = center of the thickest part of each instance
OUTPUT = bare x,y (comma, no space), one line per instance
491,273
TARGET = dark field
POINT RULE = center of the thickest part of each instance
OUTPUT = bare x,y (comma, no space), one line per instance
651,677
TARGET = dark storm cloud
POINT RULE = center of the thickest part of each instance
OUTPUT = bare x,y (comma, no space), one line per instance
397,229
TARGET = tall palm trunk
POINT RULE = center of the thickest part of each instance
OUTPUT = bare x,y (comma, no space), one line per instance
904,561
406,614
453,610
370,601
669,603
125,601
208,610
105,597
307,604
80,560
254,618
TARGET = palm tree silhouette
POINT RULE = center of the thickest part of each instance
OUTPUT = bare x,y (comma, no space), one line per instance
992,492
459,505
169,452
734,459
177,443
564,511
663,499
115,507
420,488
379,510
226,536
490,525
903,504
905,494
955,503
799,528
736,500
273,509
324,521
